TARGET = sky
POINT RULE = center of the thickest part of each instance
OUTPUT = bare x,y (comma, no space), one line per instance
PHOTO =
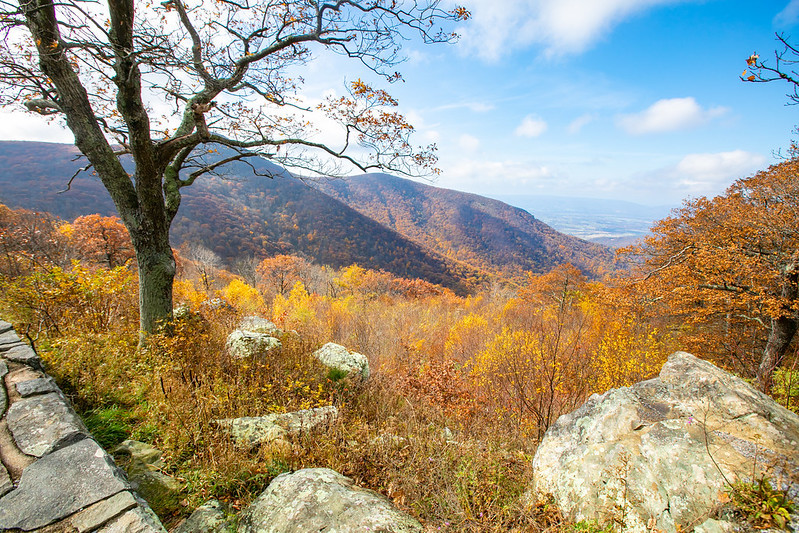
636,100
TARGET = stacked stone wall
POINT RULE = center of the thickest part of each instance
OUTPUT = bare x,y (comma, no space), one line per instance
53,474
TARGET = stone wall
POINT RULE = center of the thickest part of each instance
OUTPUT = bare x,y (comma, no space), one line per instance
53,475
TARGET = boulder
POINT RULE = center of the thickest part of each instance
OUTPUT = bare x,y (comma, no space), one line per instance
320,499
661,454
252,431
143,465
256,324
207,518
242,344
340,358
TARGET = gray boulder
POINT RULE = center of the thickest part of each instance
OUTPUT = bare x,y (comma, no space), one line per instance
320,499
207,518
340,358
660,454
143,465
251,431
242,344
256,324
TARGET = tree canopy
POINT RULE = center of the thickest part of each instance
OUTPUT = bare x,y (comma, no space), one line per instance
183,88
734,260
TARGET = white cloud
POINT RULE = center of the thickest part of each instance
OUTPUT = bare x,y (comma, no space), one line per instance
531,126
477,107
670,114
468,143
705,174
789,15
561,26
710,171
481,175
431,136
580,122
22,126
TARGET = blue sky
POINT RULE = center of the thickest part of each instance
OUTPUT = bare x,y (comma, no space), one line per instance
635,100
628,99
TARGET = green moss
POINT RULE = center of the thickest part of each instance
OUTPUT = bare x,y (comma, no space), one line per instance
110,425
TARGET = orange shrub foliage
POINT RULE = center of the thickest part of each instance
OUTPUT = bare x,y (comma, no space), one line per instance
101,240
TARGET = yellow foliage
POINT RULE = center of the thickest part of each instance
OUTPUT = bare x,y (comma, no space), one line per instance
78,298
627,354
467,337
185,291
297,310
242,296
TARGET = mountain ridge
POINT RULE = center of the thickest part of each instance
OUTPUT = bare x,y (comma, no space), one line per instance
457,240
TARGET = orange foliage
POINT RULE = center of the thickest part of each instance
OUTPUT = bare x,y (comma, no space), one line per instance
728,270
99,239
281,272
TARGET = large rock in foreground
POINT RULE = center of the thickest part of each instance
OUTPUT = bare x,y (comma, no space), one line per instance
320,499
242,344
659,454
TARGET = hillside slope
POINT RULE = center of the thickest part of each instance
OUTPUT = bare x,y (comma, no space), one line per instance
242,214
378,221
486,233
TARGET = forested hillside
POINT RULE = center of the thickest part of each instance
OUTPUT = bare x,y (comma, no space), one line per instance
235,215
378,221
480,231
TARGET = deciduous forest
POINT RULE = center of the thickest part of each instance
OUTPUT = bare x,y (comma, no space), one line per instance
491,369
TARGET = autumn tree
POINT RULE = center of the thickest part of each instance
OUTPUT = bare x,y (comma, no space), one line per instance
280,273
734,259
29,240
100,239
783,68
170,85
205,262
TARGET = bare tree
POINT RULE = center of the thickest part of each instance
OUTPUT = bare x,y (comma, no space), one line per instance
204,260
784,68
105,67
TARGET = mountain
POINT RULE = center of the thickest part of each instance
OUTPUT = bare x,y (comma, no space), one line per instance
473,229
412,230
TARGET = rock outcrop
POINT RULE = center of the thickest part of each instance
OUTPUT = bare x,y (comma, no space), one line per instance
254,336
242,344
207,518
320,499
340,358
660,454
251,431
256,324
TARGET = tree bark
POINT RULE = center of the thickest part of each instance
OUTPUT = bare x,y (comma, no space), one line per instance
783,330
156,273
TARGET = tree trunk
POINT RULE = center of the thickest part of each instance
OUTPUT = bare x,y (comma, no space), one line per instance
783,330
156,274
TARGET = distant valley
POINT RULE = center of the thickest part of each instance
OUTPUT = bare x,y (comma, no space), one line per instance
610,222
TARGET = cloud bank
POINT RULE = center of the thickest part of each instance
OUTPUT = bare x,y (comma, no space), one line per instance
561,26
670,114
